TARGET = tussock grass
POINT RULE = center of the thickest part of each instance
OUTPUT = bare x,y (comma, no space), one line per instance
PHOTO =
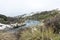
7,36
45,34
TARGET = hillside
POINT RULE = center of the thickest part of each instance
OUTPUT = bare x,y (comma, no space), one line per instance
36,16
6,20
43,15
48,29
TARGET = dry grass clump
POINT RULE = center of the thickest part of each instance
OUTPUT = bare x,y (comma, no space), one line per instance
31,33
37,34
7,36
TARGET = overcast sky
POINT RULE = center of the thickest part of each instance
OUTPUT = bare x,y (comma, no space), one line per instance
19,7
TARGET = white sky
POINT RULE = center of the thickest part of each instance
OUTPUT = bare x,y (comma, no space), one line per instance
18,7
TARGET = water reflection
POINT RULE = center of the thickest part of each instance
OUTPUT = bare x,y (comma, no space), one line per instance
31,23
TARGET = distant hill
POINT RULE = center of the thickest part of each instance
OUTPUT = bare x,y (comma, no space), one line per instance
43,15
6,20
33,16
3,17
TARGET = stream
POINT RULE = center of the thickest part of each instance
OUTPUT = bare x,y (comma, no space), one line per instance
28,23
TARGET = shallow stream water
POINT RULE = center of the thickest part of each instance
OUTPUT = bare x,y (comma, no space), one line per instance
28,23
